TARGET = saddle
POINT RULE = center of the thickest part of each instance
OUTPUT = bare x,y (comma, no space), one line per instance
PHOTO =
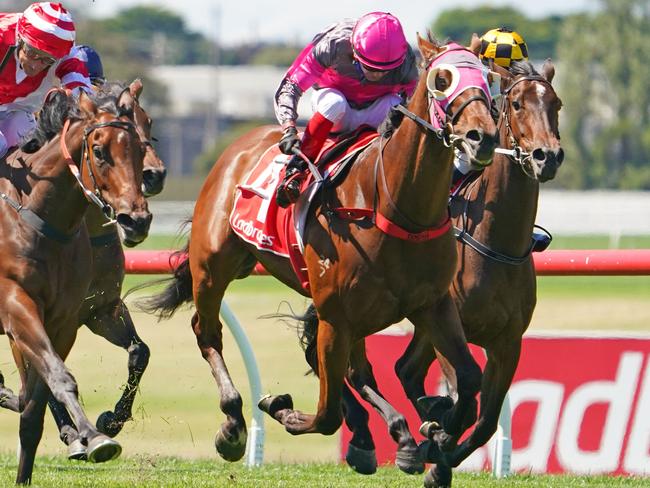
257,219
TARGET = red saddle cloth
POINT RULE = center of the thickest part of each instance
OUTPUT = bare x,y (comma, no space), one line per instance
258,219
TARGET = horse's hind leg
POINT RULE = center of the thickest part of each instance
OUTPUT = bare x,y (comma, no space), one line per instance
114,323
363,380
212,271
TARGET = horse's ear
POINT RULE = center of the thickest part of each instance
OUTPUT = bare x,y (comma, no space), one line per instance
86,105
428,49
136,88
126,101
548,70
475,44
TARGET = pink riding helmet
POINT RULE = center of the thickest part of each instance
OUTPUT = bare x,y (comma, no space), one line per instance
378,41
48,27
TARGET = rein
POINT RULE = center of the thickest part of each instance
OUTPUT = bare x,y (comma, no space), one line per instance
95,195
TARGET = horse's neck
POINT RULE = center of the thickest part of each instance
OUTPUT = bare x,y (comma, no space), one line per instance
417,166
510,206
56,196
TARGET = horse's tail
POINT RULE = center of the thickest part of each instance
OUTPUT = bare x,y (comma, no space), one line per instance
176,293
308,334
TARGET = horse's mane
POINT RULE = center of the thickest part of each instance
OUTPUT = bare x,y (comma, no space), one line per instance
60,106
522,67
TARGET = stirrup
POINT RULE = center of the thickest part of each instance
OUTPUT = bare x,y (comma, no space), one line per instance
289,189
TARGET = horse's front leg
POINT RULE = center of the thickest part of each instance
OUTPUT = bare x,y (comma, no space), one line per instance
442,324
333,345
362,378
34,396
114,323
8,399
499,371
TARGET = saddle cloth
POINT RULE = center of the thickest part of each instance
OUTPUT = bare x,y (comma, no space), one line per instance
256,217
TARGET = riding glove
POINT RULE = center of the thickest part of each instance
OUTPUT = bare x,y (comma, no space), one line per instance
290,140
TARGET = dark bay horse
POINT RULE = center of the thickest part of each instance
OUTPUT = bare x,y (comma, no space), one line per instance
494,286
362,279
79,155
103,310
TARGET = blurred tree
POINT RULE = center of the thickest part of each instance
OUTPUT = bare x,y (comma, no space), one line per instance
604,82
459,24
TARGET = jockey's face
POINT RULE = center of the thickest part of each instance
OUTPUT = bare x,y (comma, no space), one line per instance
32,60
372,74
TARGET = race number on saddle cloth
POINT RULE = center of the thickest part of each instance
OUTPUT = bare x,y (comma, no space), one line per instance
259,220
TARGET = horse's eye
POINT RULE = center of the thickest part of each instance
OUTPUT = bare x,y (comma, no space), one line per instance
98,152
441,83
516,105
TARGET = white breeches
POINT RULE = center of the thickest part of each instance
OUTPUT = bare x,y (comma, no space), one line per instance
15,125
332,105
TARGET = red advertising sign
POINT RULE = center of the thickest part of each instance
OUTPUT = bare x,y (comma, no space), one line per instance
579,404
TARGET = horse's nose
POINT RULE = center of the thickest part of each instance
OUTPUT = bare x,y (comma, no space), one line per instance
549,160
135,226
153,181
482,144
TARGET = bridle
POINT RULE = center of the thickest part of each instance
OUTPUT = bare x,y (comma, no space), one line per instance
93,196
521,157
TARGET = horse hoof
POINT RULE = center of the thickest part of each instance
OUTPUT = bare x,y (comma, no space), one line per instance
427,429
108,424
77,451
409,461
363,461
230,449
433,407
438,476
101,449
273,404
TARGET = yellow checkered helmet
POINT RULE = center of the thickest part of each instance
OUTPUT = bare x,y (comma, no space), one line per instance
504,46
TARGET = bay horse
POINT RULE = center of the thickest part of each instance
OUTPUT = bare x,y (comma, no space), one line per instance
494,287
361,278
80,154
103,311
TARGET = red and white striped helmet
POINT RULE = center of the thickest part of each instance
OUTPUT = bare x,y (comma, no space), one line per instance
48,27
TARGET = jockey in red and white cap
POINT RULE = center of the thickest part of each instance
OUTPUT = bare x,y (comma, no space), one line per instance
359,70
36,47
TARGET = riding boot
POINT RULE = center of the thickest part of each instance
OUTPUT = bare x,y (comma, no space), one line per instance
312,142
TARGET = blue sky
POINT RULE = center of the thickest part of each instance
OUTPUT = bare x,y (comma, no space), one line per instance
236,21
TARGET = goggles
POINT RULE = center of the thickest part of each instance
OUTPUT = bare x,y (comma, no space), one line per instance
36,54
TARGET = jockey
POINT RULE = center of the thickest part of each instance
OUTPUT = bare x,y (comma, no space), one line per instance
35,47
503,46
93,65
359,70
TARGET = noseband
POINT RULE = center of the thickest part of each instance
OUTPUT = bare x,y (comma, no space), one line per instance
95,195
517,154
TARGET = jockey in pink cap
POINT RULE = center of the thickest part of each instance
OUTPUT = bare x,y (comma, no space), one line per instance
359,70
35,47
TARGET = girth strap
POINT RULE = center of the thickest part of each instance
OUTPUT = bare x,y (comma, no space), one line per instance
37,223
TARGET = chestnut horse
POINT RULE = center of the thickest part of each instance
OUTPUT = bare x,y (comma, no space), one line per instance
79,155
494,287
103,310
362,279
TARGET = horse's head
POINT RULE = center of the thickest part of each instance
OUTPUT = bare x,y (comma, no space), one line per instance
529,118
114,165
459,90
154,172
